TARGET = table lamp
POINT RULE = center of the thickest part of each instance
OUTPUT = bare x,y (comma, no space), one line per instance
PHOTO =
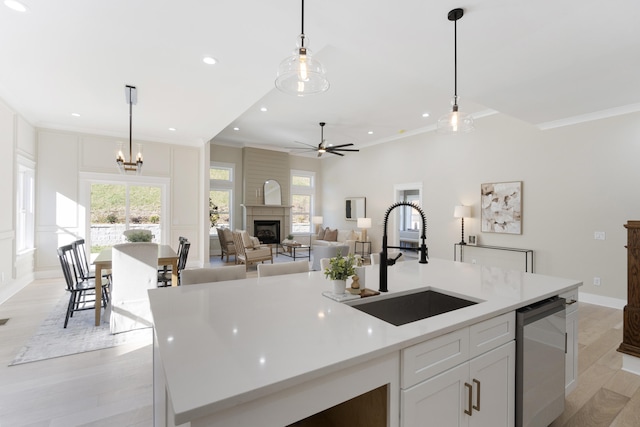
317,220
364,224
462,212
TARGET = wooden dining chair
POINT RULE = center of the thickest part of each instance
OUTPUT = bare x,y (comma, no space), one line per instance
265,270
134,271
207,275
164,277
82,291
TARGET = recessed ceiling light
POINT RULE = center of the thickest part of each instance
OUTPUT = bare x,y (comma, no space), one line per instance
263,109
16,5
236,128
425,114
172,129
75,114
209,60
370,132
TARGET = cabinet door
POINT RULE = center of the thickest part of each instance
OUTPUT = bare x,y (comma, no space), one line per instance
493,379
571,358
438,401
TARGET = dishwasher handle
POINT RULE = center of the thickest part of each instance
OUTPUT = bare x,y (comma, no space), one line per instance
544,308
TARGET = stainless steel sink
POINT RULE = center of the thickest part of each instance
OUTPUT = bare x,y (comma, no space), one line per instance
407,308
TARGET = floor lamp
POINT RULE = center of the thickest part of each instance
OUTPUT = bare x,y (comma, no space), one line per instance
462,212
317,221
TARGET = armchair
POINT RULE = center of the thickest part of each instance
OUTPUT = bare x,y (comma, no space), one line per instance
248,256
227,247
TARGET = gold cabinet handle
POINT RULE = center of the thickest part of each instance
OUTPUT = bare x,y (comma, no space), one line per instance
469,411
477,408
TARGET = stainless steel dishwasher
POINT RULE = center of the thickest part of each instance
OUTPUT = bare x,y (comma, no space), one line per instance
540,362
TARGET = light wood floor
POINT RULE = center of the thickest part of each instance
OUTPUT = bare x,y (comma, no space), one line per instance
113,387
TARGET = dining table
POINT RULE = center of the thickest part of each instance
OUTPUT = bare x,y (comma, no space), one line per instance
166,256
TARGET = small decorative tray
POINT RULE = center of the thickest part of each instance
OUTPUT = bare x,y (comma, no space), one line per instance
351,294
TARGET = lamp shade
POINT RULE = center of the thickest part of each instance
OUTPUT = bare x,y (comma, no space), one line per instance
364,223
462,212
317,220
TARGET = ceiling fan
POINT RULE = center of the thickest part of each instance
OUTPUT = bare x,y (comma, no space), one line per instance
324,148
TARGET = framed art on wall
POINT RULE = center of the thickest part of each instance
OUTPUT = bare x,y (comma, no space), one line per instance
501,207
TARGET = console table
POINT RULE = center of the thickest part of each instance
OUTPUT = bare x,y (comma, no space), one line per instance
365,251
631,315
526,252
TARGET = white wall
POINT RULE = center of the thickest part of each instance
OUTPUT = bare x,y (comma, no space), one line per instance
17,137
62,156
576,180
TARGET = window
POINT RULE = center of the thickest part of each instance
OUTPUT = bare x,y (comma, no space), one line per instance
113,203
116,207
25,216
302,200
220,195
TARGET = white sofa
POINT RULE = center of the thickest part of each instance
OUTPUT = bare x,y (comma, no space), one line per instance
343,238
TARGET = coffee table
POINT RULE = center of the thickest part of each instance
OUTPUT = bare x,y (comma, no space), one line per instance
293,251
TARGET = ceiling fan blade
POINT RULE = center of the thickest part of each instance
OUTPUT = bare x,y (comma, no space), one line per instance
320,153
336,153
332,150
341,145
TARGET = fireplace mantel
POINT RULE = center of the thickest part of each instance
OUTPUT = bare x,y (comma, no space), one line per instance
251,213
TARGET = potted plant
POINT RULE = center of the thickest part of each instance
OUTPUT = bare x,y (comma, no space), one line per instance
139,236
340,268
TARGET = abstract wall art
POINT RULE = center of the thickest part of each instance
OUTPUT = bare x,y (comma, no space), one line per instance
501,207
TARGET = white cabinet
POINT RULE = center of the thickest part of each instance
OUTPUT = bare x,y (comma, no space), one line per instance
443,384
571,358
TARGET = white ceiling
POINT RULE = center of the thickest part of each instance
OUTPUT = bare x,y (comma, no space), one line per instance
545,62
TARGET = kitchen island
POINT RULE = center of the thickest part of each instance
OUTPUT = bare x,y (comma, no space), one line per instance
272,351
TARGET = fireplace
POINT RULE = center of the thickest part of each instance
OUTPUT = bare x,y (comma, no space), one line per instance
267,231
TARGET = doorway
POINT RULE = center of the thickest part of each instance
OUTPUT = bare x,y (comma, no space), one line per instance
406,224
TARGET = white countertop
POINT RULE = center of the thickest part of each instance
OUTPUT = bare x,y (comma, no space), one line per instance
225,343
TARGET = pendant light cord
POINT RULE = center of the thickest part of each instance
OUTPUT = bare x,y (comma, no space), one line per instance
455,62
130,125
302,21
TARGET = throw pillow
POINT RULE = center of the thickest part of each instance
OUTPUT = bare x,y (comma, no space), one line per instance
320,234
255,242
331,235
246,239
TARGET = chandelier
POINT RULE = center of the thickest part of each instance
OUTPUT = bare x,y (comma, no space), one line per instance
131,94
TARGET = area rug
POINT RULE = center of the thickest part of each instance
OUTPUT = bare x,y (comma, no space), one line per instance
52,340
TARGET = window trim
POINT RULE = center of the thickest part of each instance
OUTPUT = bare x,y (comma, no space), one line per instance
25,167
303,190
224,185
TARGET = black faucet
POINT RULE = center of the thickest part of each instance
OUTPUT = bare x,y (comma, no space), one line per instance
384,262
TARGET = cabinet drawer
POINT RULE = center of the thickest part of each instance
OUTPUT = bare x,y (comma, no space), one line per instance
492,333
572,300
429,358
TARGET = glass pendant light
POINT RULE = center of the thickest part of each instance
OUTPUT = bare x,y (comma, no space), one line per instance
300,74
456,121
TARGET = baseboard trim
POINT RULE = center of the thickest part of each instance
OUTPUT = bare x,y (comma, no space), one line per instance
602,300
631,364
